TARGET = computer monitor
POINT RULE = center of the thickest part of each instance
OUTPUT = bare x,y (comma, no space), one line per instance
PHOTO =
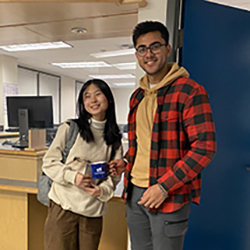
28,112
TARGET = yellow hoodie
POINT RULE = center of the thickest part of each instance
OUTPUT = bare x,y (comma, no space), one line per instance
144,122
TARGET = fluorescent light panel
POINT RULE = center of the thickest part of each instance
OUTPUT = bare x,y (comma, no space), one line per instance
82,65
100,64
127,76
35,46
125,66
122,52
124,84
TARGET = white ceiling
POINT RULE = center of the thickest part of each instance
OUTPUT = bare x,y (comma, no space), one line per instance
109,27
80,52
240,4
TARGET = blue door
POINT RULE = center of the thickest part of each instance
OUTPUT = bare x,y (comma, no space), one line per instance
216,52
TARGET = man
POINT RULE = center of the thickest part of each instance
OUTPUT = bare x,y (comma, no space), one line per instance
171,140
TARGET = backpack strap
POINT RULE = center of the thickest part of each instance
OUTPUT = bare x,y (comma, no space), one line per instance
70,139
44,182
114,146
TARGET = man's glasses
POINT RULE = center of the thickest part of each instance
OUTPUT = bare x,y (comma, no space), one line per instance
154,48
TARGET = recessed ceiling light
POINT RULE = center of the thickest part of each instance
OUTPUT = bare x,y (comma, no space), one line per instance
82,65
112,76
122,52
35,46
78,30
126,46
125,66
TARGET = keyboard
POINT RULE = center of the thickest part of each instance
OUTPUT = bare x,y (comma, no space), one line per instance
11,130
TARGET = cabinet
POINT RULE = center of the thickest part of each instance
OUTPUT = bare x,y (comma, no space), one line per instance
22,217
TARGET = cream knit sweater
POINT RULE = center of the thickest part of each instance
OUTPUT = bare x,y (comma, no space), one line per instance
64,192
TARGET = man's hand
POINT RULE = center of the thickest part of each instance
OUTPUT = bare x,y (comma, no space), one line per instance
116,167
152,197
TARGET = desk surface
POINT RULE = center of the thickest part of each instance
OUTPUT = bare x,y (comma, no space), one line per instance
9,150
8,134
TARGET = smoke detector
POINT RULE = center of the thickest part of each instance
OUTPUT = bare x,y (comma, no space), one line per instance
78,30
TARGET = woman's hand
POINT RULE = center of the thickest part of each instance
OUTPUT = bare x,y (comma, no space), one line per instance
85,182
93,190
116,167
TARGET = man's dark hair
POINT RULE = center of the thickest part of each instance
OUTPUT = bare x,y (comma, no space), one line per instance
150,26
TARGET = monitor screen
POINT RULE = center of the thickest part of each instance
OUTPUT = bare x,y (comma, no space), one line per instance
40,110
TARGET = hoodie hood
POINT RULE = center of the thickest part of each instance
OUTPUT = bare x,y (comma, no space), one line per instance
175,71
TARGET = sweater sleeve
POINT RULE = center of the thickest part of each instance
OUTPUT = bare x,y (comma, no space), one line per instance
52,165
108,186
199,127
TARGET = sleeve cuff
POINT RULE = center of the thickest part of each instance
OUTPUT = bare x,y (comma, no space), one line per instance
104,197
70,176
162,190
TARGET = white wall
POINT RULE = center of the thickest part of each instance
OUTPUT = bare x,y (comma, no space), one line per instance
156,10
9,71
27,82
121,96
27,79
49,85
68,102
8,75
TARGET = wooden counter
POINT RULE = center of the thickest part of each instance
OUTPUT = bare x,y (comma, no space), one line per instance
13,137
21,164
9,134
22,217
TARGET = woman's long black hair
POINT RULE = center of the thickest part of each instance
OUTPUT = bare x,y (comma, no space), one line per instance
112,133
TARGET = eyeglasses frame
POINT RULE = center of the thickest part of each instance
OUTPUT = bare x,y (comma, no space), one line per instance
149,47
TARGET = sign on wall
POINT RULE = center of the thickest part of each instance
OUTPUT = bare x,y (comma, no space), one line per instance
8,90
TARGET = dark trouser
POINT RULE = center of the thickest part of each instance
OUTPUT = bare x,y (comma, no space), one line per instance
155,231
65,230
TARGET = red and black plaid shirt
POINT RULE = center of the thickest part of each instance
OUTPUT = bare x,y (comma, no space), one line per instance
182,142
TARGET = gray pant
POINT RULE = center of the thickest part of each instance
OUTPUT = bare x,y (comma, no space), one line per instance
159,231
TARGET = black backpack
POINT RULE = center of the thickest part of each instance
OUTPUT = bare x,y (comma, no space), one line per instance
44,182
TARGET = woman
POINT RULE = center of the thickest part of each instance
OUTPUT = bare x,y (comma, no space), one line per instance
74,220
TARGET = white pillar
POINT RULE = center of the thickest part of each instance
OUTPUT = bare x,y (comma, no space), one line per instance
8,75
156,10
68,99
